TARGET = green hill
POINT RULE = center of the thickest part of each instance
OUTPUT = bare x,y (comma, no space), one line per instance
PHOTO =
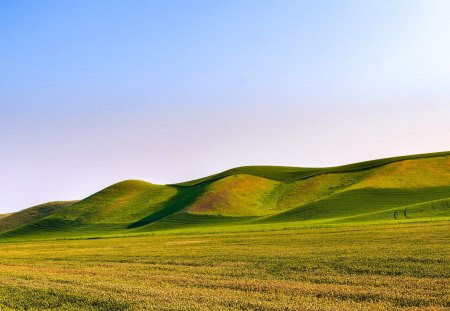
29,215
401,189
4,215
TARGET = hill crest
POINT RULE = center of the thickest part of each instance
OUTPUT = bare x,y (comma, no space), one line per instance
365,192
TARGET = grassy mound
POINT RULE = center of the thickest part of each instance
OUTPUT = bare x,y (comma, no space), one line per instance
237,195
401,189
123,203
32,214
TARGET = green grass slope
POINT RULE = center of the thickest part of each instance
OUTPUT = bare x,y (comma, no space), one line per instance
402,189
286,173
366,204
29,215
121,203
109,210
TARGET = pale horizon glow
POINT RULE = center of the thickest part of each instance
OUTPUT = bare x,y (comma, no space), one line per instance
95,92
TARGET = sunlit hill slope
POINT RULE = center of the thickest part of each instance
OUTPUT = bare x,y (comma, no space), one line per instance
402,189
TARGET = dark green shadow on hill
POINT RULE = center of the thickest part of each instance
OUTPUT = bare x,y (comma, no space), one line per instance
183,221
30,215
43,227
183,198
362,204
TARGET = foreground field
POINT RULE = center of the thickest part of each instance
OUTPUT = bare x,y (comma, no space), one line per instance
384,267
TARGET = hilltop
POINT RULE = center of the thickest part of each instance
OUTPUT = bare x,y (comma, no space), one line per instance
400,189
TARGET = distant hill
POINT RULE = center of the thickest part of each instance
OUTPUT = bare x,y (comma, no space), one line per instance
401,189
29,215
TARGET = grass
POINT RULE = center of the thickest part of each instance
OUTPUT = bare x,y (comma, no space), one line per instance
123,202
286,173
375,191
29,215
379,267
228,196
362,204
366,236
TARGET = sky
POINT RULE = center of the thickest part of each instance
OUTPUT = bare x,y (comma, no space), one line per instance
95,92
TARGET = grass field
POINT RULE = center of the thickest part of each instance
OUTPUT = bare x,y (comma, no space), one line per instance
384,267
366,236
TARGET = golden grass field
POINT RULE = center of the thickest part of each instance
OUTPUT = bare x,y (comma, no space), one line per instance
379,267
366,236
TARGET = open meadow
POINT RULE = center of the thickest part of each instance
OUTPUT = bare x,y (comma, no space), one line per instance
367,236
377,267
225,155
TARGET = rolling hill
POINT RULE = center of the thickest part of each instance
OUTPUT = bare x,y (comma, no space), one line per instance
401,189
29,215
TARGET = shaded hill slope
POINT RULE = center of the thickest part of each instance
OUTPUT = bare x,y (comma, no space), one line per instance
396,189
124,202
31,214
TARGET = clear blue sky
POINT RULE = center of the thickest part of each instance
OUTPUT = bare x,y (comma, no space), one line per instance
94,92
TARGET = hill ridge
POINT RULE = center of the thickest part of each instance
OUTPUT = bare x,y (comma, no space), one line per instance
313,171
251,195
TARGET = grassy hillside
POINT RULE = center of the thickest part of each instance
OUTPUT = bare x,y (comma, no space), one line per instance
32,214
402,189
121,203
363,205
286,173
